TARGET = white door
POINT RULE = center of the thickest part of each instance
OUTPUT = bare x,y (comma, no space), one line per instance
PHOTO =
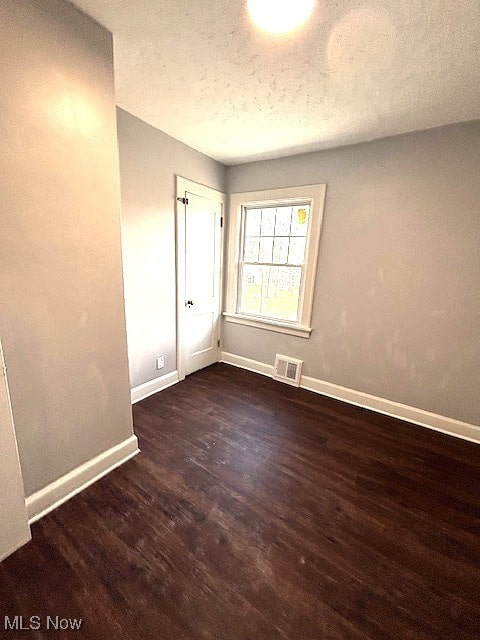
14,529
201,304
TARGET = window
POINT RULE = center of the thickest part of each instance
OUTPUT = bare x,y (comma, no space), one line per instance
273,248
272,257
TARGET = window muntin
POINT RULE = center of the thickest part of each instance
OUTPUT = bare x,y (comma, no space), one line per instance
272,260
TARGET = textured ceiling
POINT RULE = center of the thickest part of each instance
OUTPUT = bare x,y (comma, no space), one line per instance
201,72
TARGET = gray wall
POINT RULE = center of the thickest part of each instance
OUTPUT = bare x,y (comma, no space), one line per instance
149,161
61,297
397,298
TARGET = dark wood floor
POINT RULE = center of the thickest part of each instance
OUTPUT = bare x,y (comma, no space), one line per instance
258,511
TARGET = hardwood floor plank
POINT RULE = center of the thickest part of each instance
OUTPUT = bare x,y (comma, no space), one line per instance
260,511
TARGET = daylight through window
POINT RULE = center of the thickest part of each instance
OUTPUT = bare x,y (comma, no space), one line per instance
272,260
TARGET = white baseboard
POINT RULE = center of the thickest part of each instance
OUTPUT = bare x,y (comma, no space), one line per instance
53,495
153,386
246,363
450,426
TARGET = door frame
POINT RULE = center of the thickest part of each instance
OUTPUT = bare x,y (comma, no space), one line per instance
17,531
183,185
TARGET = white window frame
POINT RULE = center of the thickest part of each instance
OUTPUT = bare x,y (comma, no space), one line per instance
313,195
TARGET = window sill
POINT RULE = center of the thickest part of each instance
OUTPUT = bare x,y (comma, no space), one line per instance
268,325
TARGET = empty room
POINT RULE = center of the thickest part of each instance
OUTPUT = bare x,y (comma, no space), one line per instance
240,319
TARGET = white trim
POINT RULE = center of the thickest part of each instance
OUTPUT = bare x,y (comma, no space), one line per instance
315,194
246,363
450,426
153,386
184,185
414,415
268,325
53,495
17,532
180,239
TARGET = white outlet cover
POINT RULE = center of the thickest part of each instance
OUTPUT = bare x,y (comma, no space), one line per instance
160,362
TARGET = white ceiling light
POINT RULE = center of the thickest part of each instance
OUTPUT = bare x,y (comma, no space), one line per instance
280,16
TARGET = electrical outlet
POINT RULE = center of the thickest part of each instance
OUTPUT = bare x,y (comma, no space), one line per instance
160,362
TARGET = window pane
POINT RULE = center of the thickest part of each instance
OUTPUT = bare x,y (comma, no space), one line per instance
283,220
266,249
296,254
271,292
268,222
280,292
253,218
250,249
251,289
273,235
280,250
300,217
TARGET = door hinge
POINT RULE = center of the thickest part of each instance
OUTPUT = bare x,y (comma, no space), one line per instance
221,222
183,200
218,342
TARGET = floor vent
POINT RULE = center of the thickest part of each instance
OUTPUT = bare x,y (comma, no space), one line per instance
288,370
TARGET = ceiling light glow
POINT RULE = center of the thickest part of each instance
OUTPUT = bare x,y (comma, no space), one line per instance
280,16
